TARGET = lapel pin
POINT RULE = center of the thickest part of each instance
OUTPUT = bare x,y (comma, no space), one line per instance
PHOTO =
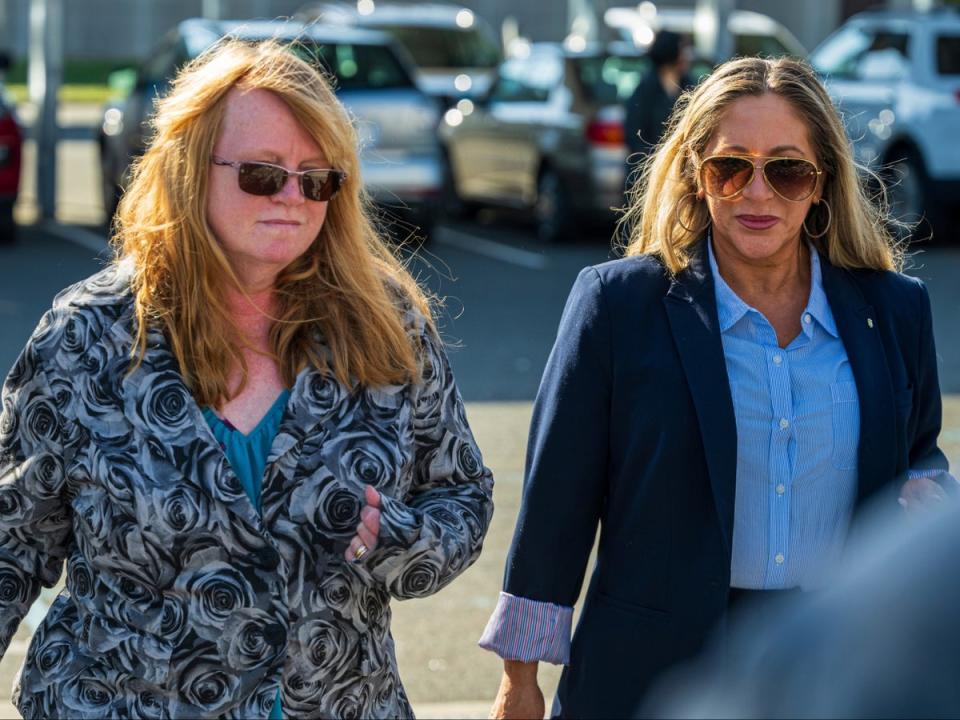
869,322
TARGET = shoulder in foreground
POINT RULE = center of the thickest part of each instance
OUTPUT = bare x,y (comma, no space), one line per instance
109,287
635,272
82,312
880,285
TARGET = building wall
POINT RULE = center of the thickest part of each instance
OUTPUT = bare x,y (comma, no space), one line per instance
125,29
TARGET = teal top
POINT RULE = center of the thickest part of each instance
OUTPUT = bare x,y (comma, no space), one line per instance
247,455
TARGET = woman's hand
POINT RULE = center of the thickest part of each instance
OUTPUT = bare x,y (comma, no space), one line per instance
367,529
921,493
519,696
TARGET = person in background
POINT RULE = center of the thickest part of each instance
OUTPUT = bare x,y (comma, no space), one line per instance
719,403
243,436
651,103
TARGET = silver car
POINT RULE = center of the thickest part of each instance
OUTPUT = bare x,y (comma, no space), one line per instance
396,121
548,139
454,51
895,76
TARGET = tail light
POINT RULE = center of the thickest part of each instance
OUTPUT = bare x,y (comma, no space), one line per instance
605,132
10,142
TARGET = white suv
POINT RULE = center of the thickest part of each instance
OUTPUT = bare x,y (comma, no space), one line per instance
895,76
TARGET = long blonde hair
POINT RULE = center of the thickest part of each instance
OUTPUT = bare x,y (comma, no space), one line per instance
664,219
348,286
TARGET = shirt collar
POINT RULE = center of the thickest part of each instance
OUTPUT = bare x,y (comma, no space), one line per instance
730,308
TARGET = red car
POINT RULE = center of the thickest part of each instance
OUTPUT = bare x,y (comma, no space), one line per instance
11,140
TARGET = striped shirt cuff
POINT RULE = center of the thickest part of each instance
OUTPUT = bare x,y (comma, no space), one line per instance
529,630
942,477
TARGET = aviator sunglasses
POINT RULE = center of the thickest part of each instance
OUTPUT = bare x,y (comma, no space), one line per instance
262,178
725,176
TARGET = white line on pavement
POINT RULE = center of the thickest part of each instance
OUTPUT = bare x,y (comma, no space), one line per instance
491,249
76,235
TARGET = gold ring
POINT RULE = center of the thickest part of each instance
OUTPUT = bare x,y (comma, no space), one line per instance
360,552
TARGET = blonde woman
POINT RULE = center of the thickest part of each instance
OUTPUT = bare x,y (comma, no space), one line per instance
720,402
243,437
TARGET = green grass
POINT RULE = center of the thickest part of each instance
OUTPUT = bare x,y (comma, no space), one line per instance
97,94
85,80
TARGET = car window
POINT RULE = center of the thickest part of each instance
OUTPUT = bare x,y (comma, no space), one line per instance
612,78
864,53
527,80
948,54
357,67
447,47
163,63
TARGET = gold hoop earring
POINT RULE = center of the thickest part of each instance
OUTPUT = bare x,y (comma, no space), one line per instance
676,213
826,228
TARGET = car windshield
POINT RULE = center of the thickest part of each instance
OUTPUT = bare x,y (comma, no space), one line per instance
611,78
948,54
357,67
447,47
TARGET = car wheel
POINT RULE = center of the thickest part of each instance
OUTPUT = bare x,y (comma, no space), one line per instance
8,228
911,201
452,205
551,212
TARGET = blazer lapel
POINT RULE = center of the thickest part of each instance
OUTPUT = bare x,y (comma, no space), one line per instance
691,307
859,329
165,418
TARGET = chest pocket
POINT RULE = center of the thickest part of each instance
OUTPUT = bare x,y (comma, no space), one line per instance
846,425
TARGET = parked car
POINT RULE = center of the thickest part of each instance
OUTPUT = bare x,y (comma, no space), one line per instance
396,121
548,139
455,51
753,32
11,142
896,78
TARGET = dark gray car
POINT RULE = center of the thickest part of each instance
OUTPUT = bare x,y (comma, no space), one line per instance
396,121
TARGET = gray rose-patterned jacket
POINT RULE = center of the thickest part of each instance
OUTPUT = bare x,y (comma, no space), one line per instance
180,600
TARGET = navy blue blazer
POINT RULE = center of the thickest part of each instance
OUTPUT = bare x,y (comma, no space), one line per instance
633,428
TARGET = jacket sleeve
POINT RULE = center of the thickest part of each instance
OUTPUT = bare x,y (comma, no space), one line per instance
34,520
437,530
567,455
926,457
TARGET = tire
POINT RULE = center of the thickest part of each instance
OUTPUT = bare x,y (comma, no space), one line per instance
110,190
554,221
452,206
8,228
911,201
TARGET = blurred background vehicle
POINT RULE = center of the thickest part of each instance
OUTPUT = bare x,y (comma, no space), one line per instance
753,33
396,121
548,139
11,143
896,78
455,51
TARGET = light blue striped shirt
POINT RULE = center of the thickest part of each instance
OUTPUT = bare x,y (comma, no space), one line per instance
798,429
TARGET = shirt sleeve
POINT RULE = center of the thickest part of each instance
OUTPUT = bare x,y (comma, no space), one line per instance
34,520
529,630
436,531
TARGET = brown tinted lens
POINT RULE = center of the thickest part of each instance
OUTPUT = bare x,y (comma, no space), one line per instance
261,179
320,184
725,176
793,179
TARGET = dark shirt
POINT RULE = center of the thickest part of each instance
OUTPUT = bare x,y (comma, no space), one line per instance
647,110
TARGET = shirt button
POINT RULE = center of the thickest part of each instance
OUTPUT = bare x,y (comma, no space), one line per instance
781,489
778,558
807,319
784,423
777,359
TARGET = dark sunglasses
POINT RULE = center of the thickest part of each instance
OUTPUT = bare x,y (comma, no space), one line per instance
725,176
262,178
